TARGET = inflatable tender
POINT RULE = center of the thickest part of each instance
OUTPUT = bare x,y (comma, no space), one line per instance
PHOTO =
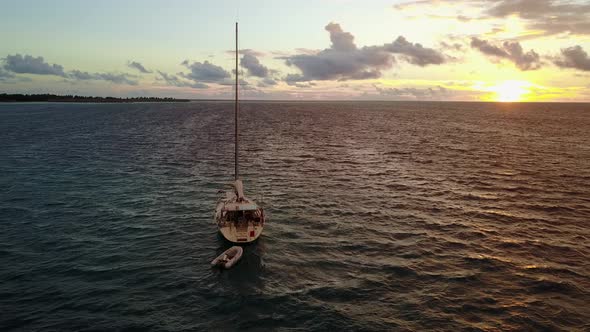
228,258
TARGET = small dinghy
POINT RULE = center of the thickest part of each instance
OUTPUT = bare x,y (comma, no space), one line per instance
228,258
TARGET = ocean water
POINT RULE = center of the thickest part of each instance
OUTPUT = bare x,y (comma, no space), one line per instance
381,216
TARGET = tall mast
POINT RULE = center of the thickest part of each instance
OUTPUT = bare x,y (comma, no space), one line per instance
236,109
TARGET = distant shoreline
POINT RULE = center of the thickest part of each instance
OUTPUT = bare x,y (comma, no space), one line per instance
22,98
51,98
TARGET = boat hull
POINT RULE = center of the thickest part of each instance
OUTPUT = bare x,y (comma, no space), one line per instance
241,233
239,219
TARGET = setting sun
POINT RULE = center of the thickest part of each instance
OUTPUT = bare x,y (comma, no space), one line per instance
510,91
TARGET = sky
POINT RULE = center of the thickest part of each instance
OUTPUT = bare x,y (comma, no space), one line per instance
468,50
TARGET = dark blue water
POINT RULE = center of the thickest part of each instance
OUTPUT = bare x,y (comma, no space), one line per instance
382,216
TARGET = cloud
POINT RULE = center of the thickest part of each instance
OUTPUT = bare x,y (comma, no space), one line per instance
298,80
80,75
341,41
574,57
511,51
415,53
486,48
307,50
138,66
232,82
28,64
551,16
205,72
414,93
267,82
548,16
115,78
253,66
246,51
304,85
415,3
451,46
109,77
5,74
246,86
31,65
345,61
342,61
291,79
173,80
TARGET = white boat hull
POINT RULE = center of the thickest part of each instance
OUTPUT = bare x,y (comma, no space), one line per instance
241,234
239,228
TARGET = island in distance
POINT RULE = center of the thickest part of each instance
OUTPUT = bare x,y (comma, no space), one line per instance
23,98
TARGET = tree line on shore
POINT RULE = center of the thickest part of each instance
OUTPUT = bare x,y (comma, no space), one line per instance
15,98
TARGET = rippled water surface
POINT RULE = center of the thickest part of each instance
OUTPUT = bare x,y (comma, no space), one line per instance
382,216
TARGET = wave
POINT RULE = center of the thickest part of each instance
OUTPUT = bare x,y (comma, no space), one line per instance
382,216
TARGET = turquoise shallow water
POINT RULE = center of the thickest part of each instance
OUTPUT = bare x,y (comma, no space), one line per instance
382,216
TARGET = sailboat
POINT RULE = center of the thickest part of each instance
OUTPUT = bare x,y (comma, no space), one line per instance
239,218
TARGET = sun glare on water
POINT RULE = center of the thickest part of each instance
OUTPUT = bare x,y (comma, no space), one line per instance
510,91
